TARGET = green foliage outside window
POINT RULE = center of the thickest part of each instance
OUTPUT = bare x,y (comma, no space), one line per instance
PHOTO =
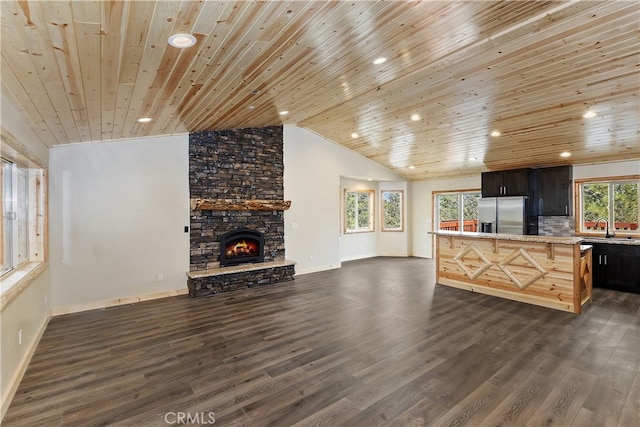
595,204
448,207
350,210
457,211
617,202
392,211
358,215
363,210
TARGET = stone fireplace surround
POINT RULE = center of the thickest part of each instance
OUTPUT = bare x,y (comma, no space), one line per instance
236,181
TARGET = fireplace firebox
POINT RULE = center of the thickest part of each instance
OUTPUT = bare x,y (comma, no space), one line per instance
241,246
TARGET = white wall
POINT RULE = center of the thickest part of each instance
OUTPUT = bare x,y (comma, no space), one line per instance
29,312
31,145
312,169
422,210
117,215
603,170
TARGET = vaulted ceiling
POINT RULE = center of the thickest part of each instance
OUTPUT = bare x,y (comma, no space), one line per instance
87,70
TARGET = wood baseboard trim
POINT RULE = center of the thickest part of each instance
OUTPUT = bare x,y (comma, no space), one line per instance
59,311
24,364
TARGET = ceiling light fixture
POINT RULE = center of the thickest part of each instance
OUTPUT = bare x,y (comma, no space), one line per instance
251,107
144,119
354,135
415,117
473,159
589,114
379,60
412,167
496,133
283,113
182,41
565,154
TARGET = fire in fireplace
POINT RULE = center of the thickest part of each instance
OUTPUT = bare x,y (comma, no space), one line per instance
241,246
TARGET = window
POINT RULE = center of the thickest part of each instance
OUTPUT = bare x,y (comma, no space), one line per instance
392,210
457,211
358,212
14,216
22,217
609,203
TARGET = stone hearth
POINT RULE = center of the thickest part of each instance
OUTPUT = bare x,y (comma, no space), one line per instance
225,279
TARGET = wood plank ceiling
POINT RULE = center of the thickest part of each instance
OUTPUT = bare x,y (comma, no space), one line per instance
87,70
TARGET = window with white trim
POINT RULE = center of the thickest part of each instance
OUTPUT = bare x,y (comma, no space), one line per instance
392,210
612,204
22,212
358,211
456,211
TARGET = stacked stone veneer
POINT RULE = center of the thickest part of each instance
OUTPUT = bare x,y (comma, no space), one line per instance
241,164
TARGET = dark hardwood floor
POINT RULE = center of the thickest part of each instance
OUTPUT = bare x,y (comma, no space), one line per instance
373,343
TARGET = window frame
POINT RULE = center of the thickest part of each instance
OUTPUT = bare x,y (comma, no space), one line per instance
383,212
28,239
460,193
579,208
371,198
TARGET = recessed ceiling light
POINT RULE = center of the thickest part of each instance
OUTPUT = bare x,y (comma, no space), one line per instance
415,117
283,113
473,159
369,179
589,114
354,135
144,119
379,60
565,154
251,107
496,133
412,167
182,40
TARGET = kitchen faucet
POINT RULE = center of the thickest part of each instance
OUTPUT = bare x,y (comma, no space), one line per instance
607,235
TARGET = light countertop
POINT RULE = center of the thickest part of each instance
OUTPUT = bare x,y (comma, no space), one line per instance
514,237
569,240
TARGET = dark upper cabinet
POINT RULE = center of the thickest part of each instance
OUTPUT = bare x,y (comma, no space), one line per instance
553,191
515,182
616,266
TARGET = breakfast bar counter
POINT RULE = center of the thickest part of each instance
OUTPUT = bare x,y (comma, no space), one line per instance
553,272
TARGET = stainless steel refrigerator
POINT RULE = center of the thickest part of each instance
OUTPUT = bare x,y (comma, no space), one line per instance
504,215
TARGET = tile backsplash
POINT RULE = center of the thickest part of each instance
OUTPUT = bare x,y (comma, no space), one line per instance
556,226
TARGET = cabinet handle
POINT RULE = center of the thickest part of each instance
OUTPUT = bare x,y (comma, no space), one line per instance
599,259
605,260
566,210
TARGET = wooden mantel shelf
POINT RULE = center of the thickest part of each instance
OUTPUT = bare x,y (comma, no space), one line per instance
239,205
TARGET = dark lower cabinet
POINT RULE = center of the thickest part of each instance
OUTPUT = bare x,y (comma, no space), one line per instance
616,266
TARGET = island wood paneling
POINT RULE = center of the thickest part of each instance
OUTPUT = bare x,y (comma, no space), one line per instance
85,71
546,274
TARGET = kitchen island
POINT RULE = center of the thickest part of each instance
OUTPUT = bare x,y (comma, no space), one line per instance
553,272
